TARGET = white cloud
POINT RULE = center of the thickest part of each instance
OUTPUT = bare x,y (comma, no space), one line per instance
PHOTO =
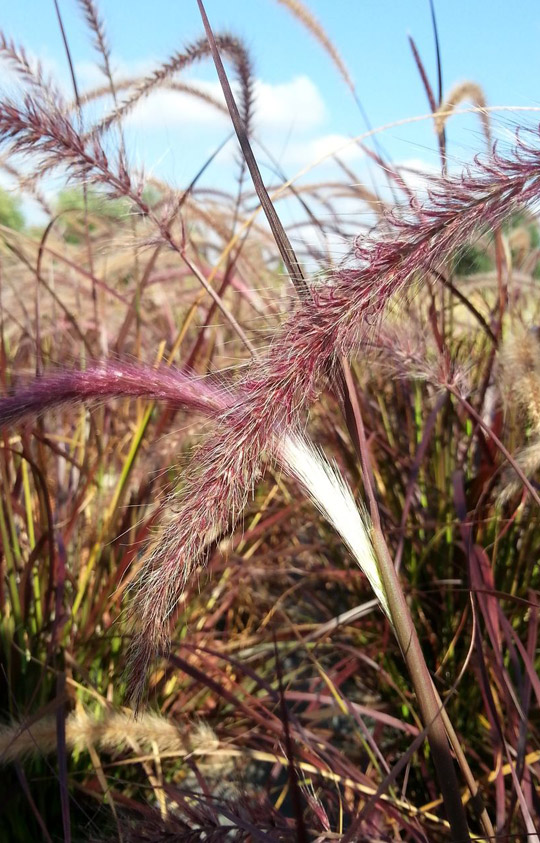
166,109
295,105
335,144
90,75
302,153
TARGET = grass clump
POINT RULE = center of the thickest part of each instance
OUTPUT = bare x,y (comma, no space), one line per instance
158,539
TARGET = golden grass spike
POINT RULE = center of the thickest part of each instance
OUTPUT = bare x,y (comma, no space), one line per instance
305,17
519,380
528,459
113,732
464,91
520,245
519,372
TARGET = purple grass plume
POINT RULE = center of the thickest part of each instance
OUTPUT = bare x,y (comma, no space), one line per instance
106,381
278,388
271,400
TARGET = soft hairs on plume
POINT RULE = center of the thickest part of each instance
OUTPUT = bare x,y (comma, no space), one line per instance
294,453
112,732
278,388
271,400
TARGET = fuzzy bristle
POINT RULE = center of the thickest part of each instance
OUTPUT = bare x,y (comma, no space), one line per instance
519,368
110,733
278,387
464,91
332,496
528,460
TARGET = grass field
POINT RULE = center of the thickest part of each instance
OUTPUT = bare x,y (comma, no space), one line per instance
270,557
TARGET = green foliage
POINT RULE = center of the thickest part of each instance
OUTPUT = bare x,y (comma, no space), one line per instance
70,204
97,203
522,219
10,212
471,259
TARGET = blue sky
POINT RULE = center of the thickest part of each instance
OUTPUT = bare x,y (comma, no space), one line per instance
304,106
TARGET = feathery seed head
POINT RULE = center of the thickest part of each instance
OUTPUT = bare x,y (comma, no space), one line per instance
111,732
528,459
332,496
519,371
277,387
463,91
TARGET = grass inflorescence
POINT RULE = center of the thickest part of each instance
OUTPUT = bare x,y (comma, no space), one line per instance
369,672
